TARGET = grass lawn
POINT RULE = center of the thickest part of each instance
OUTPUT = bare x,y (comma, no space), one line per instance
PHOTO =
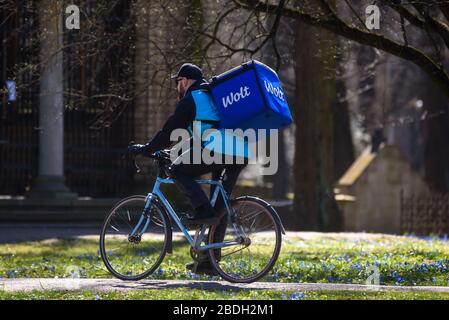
196,294
322,258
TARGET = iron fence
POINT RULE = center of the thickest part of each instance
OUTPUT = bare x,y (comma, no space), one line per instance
98,119
425,214
19,51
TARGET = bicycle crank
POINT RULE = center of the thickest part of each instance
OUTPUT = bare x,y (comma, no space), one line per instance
135,239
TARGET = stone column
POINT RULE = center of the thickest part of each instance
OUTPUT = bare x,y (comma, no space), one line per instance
50,182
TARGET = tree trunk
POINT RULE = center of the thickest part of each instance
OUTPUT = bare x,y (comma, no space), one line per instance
314,203
436,140
344,154
281,180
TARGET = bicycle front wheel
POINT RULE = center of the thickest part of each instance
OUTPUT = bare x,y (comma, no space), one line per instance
254,226
134,241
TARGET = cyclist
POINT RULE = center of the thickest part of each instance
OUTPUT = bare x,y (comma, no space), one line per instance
190,83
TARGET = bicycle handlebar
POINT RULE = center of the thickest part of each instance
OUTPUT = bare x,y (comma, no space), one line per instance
161,157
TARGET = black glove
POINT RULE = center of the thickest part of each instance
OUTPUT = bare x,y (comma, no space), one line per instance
136,149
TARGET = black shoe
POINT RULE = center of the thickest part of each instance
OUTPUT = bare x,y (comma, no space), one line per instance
202,216
202,268
186,218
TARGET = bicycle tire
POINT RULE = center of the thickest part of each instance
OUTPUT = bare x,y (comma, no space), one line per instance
278,229
167,241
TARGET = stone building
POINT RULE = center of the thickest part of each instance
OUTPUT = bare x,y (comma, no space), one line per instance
369,193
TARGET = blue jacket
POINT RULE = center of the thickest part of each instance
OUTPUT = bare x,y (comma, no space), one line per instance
197,105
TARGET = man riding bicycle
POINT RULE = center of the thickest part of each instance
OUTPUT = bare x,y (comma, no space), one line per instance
191,107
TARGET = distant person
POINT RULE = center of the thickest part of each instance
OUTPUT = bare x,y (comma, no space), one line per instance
377,139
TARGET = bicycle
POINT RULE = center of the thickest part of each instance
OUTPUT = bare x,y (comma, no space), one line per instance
137,233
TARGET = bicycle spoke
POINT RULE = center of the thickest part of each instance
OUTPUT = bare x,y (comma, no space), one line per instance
232,252
115,228
252,215
124,220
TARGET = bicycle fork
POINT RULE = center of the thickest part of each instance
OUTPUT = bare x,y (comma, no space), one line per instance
146,213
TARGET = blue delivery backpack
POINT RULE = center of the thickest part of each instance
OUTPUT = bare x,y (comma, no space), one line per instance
250,96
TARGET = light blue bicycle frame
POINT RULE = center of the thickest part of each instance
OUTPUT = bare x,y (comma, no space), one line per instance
200,233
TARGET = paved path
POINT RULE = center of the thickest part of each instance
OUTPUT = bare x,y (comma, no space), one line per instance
16,233
101,285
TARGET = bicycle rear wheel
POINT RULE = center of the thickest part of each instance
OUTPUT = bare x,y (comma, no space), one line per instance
256,227
134,241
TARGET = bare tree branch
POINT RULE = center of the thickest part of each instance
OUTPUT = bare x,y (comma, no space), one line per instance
336,25
444,7
433,24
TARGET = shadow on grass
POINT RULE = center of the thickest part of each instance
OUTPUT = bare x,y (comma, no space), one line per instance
202,285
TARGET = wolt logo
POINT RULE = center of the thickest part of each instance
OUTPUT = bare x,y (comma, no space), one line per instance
236,96
276,91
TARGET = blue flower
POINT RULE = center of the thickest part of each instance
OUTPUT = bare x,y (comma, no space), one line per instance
85,256
398,279
357,266
442,265
297,296
193,275
11,273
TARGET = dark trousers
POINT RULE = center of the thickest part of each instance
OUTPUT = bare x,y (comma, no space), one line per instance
185,176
